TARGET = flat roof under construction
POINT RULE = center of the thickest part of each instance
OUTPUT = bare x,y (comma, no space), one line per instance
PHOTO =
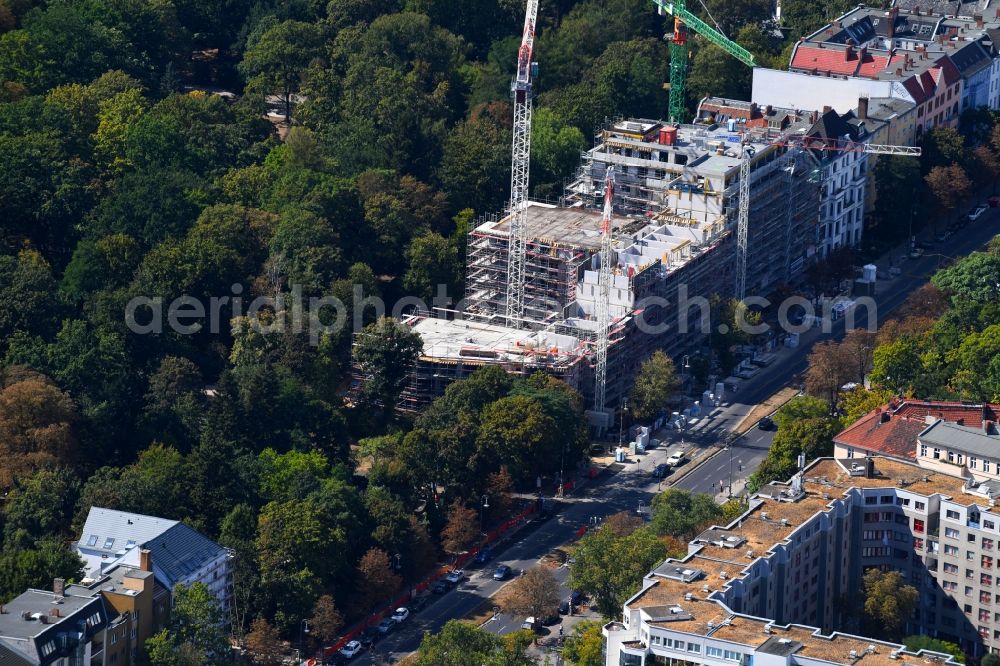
475,341
554,225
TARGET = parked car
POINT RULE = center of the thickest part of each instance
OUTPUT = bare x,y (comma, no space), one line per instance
351,650
386,626
766,423
564,607
530,624
335,659
455,576
502,572
676,458
369,637
661,470
417,604
916,253
400,615
484,555
976,212
440,587
575,597
942,236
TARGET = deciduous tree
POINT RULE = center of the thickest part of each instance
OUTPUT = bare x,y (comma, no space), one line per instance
262,643
888,603
376,580
326,620
461,529
385,352
275,61
610,568
654,385
535,594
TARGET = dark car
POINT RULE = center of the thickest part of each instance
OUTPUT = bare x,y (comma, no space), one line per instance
386,626
484,555
417,604
765,423
502,572
335,659
661,471
564,607
440,587
369,637
575,597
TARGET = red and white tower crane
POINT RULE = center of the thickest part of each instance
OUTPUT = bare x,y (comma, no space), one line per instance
521,89
603,309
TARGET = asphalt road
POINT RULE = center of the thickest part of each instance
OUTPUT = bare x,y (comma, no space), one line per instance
624,487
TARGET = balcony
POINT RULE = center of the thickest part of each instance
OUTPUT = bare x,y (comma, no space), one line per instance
973,525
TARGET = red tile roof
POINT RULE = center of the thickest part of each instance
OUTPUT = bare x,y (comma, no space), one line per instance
892,430
839,60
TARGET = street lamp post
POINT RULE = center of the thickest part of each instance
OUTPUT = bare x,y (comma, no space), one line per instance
303,630
482,513
621,423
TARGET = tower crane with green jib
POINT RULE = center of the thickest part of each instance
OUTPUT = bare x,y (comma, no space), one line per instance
683,19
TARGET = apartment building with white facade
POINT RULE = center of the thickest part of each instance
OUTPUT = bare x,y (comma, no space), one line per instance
179,554
774,585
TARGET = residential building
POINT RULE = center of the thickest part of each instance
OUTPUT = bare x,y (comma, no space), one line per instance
179,554
950,437
770,587
42,628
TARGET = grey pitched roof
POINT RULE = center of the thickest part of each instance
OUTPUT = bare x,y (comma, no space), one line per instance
121,527
971,58
181,551
178,551
961,438
10,658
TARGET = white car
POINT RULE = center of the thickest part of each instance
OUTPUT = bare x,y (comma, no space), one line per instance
400,615
351,650
676,458
455,576
974,215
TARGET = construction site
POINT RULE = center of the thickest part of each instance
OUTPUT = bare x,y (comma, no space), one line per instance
660,218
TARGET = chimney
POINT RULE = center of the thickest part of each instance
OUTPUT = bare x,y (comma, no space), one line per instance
988,427
768,109
862,52
850,49
59,587
998,13
145,560
979,20
870,467
893,13
827,109
862,108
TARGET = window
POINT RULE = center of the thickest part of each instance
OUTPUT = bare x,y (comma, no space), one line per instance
973,462
971,538
50,647
969,573
950,550
988,525
850,452
949,585
729,655
713,651
130,543
985,579
886,499
918,526
984,597
918,544
987,544
968,592
951,456
950,568
871,516
871,499
94,620
108,543
937,454
986,562
969,555
952,515
951,532
694,647
919,506
984,615
92,540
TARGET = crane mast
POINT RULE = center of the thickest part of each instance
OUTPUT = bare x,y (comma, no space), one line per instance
603,309
519,163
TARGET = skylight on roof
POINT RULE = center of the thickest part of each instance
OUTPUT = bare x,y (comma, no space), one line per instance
92,540
108,543
130,543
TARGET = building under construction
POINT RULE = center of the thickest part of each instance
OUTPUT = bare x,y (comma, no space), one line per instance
691,172
661,262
